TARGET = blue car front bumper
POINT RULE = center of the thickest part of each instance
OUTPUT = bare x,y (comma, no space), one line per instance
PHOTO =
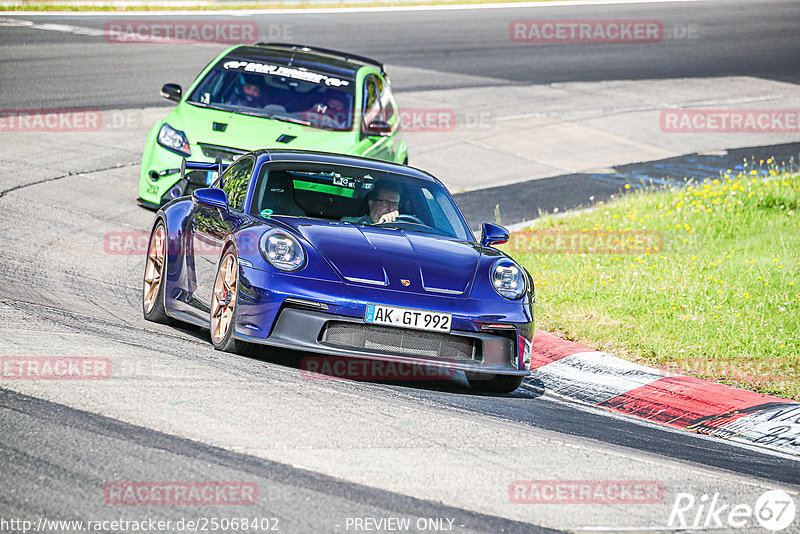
327,317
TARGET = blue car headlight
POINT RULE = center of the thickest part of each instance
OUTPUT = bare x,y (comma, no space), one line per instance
507,279
174,140
282,251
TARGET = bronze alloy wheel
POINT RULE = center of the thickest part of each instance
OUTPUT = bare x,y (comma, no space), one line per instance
223,299
154,269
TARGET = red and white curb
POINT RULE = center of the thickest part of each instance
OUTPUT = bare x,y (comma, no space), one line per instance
573,371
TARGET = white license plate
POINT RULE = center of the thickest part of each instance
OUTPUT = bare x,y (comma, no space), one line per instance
408,318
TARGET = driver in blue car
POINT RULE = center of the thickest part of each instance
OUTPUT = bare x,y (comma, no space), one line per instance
383,204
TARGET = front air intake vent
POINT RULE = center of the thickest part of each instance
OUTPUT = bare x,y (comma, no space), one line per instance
400,341
225,153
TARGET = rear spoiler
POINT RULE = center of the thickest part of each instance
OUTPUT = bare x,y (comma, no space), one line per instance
336,53
217,166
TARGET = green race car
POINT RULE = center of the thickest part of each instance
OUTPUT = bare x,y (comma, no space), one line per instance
270,95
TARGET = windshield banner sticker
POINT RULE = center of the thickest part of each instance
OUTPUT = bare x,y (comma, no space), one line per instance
288,72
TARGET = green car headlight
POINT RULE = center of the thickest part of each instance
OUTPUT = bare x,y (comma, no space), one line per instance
174,140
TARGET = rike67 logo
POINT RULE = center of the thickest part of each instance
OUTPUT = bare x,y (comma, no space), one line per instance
774,510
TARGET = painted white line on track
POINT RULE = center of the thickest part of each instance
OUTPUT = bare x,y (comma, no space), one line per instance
15,22
300,11
120,36
64,28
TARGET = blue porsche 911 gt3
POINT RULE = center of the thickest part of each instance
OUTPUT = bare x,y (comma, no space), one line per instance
343,256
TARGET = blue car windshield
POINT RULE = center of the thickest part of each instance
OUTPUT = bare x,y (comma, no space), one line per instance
354,195
278,92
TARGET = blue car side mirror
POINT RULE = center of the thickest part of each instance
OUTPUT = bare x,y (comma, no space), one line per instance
211,196
492,234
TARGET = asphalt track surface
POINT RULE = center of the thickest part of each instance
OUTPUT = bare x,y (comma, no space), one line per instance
61,69
61,446
130,451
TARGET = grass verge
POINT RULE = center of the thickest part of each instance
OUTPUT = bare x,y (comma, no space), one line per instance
701,280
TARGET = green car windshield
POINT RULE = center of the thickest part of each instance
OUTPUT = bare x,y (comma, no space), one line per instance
278,92
343,193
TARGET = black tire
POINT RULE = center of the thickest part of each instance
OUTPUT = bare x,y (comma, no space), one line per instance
154,276
225,341
494,383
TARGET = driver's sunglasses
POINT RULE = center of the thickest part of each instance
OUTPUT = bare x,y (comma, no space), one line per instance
389,203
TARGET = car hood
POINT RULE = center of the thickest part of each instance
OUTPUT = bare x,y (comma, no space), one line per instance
394,259
251,133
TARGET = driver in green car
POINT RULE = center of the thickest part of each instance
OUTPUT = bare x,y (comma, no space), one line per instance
383,205
250,93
